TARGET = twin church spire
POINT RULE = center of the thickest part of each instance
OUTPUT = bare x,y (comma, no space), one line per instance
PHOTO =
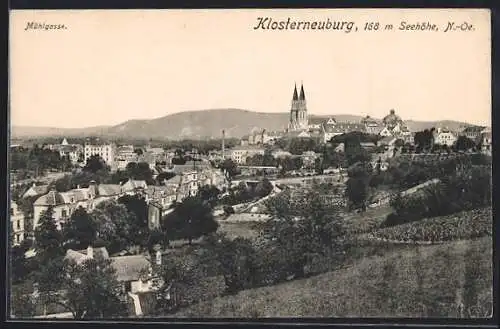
302,96
298,114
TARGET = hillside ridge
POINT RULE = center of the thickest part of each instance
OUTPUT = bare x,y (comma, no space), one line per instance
199,124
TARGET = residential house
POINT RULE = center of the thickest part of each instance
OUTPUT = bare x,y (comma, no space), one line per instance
472,132
124,155
17,221
189,167
163,195
371,125
159,199
73,152
485,141
385,132
132,187
133,272
332,128
36,190
443,136
65,203
188,186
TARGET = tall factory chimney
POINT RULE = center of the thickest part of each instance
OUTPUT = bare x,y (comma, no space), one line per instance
223,141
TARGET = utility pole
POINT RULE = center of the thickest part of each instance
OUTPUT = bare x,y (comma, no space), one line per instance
223,142
194,153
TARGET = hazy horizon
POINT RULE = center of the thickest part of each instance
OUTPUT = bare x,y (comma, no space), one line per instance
230,108
112,66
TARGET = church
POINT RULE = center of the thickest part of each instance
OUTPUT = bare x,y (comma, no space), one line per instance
299,120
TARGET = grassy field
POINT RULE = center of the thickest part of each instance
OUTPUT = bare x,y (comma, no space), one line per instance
449,280
233,230
357,223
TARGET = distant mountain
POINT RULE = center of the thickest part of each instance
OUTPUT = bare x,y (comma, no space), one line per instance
200,124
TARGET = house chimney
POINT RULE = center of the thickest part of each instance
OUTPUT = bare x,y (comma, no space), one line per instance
90,252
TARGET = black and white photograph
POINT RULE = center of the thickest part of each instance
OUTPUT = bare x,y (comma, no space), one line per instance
249,164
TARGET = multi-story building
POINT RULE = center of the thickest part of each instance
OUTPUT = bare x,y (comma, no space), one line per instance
106,151
472,132
240,154
17,221
444,136
73,152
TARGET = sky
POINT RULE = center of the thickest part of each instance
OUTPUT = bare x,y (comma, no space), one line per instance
111,66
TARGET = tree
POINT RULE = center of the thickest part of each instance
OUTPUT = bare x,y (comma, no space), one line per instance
26,206
156,237
399,143
235,259
424,139
48,239
176,278
20,266
230,169
22,304
114,224
209,194
94,164
191,219
464,144
300,145
138,219
303,227
263,188
289,163
140,171
81,230
357,185
91,290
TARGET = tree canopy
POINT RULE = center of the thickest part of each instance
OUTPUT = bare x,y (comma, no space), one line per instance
190,219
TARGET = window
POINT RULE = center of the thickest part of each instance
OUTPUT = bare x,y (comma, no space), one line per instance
18,224
12,211
64,213
17,238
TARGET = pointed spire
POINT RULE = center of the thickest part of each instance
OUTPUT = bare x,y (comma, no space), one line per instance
295,96
302,96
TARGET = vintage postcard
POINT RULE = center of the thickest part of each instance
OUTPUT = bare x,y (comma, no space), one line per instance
250,164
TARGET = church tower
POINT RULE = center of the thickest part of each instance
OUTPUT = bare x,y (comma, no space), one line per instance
298,113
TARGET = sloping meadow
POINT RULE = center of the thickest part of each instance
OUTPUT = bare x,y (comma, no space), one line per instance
449,280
